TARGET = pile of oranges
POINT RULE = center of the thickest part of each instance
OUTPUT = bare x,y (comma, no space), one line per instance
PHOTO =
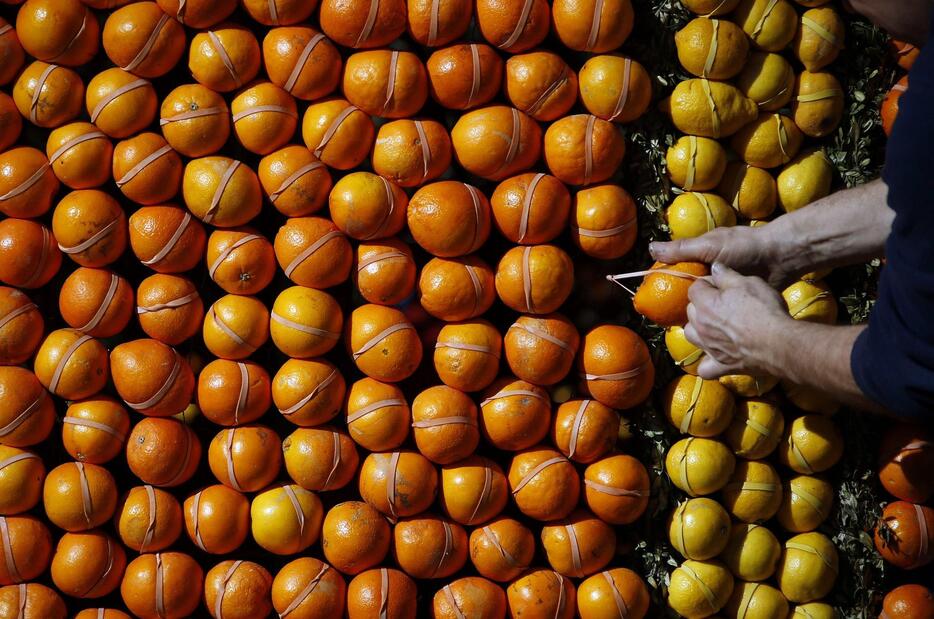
269,230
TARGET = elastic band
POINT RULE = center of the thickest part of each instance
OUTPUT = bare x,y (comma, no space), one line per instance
391,482
320,387
559,607
494,539
225,580
614,491
636,371
782,139
448,594
467,347
86,505
715,125
448,545
387,215
476,73
543,335
923,534
228,459
99,108
705,590
225,58
139,167
91,240
162,391
151,525
803,305
688,417
907,450
761,23
539,103
830,93
90,423
335,459
444,421
196,509
379,257
192,114
368,24
212,270
311,249
47,239
820,31
37,92
23,416
690,359
588,148
575,550
107,569
484,492
811,500
475,196
391,81
515,138
520,25
373,407
527,205
8,557
621,605
576,427
692,163
433,18
16,313
712,50
23,591
244,394
814,551
150,42
173,240
78,33
103,307
708,212
383,593
282,320
274,18
300,63
400,326
219,191
511,393
758,427
527,278
5,29
27,184
297,507
748,595
623,98
294,176
477,288
78,139
64,359
541,466
160,586
25,455
594,26
334,126
423,142
752,486
602,234
256,109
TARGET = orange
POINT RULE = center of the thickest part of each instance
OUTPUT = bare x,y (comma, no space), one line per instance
152,378
663,297
904,535
241,261
906,453
905,53
233,392
582,149
95,430
449,218
386,83
502,549
167,584
29,256
378,416
395,158
198,13
617,489
908,601
217,519
444,422
541,593
464,76
27,544
338,133
166,238
467,354
604,222
429,547
80,155
150,519
384,271
366,592
889,111
32,601
400,483
535,279
79,496
473,490
313,252
514,414
308,392
101,613
585,430
616,368
618,592
279,12
194,120
530,209
362,23
544,484
71,365
163,452
513,26
26,410
434,25
457,288
224,58
48,95
308,588
27,182
21,326
61,31
496,142
21,476
305,322
237,590
578,546
320,459
354,537
221,191
302,61
11,52
143,40
477,596
541,349
366,206
169,308
146,169
615,88
235,326
245,458
383,343
285,519
264,117
87,565
119,103
11,123
90,227
591,26
294,180
541,84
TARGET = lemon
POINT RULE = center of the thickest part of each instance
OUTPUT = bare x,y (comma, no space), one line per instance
767,79
754,492
698,529
818,104
768,142
752,552
748,386
806,503
804,180
819,38
809,399
699,588
709,109
755,600
694,213
808,567
814,610
712,48
811,444
812,301
699,466
816,275
756,428
276,524
698,407
751,191
710,7
771,24
696,164
686,355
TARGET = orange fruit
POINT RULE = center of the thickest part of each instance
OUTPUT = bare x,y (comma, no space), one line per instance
457,288
444,422
378,416
305,322
585,430
28,545
26,411
221,191
32,600
615,592
237,590
427,546
366,206
905,453
143,40
579,545
21,475
29,255
541,349
225,57
908,601
905,53
264,117
150,519
90,227
285,519
235,326
438,24
313,252
513,27
152,378
617,489
604,222
354,537
79,154
337,133
166,238
11,52
383,343
889,111
294,180
21,326
362,23
302,61
467,354
71,365
241,261
541,593
95,430
27,182
514,414
101,613
541,84
502,549
582,149
615,88
169,308
279,12
308,392
544,484
119,103
217,519
233,392
399,483
194,120
530,209
366,592
308,588
616,368
198,13
449,218
496,142
535,279
591,26
663,297
320,459
146,169
79,496
163,452
384,271
464,76
473,595
395,158
87,565
386,83
904,535
473,490
61,31
167,584
11,123
245,458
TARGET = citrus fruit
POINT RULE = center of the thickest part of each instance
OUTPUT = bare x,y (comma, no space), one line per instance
286,519
698,529
699,588
808,567
699,466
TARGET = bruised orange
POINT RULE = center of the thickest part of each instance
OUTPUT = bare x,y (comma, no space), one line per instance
398,484
166,238
464,76
295,181
541,84
428,546
541,349
163,452
530,209
515,414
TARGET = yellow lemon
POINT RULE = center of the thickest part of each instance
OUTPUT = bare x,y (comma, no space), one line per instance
756,428
809,399
751,191
804,180
811,444
748,386
752,552
767,79
286,519
712,48
806,503
818,104
694,213
771,24
769,141
699,466
698,407
814,610
812,301
808,567
698,529
686,355
696,164
709,109
754,492
710,7
699,588
819,38
755,600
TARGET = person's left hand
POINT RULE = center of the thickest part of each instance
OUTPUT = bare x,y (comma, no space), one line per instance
733,318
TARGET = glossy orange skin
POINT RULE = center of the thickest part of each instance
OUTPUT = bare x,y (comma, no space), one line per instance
549,494
198,13
294,197
259,130
663,298
449,218
64,32
325,600
462,368
427,546
320,73
448,442
182,579
246,458
133,520
472,595
566,146
160,178
163,452
905,457
535,279
199,136
90,444
21,335
453,289
414,483
458,82
87,565
90,227
594,539
308,307
220,384
898,535
395,356
574,21
541,84
453,19
127,113
351,137
395,158
235,589
170,325
222,521
390,84
151,231
548,207
499,24
141,368
21,480
541,594
596,598
63,497
313,462
365,592
482,149
11,54
905,53
384,271
384,428
130,29
19,389
83,165
285,12
622,472
597,210
17,166
908,601
299,378
508,534
207,67
512,420
593,436
328,266
70,366
30,545
532,354
354,537
11,123
465,495
607,350
344,22
40,601
240,261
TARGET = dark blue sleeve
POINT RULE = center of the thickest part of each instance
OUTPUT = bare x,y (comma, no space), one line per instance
893,359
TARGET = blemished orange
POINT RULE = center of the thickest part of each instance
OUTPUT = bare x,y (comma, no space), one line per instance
467,354
28,542
308,588
235,326
237,590
224,58
80,155
87,565
889,110
295,181
194,120
246,458
305,322
618,590
544,592
79,496
496,142
221,191
541,84
12,55
90,227
308,392
313,252
579,545
544,484
26,410
302,61
604,221
146,169
616,367
513,26
169,308
338,133
582,149
384,271
616,489
502,549
231,393
163,452
27,183
535,279
11,123
48,95
366,206
615,88
444,422
449,218
285,519
464,76
436,25
473,490
453,289
165,584
264,117
119,103
394,157
386,83
399,483
198,13
474,595
166,238
908,601
71,365
354,537
663,297
367,590
35,600
150,519
428,546
151,377
21,475
541,349
592,26
29,255
143,40
320,459
514,414
585,430
65,32
95,430
531,208
904,456
241,261
383,343
279,12
21,326
217,519
378,415
362,23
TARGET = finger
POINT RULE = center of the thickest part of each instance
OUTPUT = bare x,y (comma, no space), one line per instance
696,249
690,334
725,277
702,291
692,313
711,369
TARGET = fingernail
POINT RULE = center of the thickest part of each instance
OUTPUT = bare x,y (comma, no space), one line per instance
716,268
652,247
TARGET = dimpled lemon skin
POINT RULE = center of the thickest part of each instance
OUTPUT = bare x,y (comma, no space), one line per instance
689,598
805,179
752,552
699,466
691,112
698,529
808,567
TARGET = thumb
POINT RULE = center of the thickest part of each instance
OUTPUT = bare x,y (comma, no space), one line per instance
724,277
711,369
666,251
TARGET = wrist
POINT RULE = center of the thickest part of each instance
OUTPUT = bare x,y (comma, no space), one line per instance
767,350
